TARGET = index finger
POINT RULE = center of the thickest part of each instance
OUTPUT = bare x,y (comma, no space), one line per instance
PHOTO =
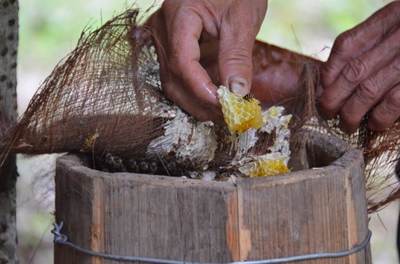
185,57
360,39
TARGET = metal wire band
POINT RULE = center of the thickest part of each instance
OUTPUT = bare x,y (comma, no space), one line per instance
62,239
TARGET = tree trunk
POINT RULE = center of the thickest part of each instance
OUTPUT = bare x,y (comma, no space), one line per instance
8,114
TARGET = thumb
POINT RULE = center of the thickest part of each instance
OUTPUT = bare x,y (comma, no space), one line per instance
235,62
237,35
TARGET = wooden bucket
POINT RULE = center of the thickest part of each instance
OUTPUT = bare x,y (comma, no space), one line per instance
312,210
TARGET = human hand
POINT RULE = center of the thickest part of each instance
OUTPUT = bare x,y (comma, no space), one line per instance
362,74
190,35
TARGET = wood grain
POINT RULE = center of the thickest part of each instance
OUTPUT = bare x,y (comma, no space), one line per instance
308,211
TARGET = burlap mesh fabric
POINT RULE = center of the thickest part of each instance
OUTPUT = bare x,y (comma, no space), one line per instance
96,94
106,98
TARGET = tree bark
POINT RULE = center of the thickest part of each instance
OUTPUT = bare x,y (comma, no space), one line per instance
8,115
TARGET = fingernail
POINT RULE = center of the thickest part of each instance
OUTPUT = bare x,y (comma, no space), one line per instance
238,86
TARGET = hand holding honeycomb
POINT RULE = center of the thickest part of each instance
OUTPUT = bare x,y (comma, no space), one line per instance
240,114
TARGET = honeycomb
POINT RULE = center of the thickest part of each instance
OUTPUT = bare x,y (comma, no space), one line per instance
240,114
265,167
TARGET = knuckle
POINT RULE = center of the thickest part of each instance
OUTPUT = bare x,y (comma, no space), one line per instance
368,91
354,71
182,10
237,55
189,7
393,101
345,40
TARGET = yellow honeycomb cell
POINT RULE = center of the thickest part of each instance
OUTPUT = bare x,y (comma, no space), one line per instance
240,114
262,168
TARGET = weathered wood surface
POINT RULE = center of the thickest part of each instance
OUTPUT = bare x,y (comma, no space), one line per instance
8,115
317,210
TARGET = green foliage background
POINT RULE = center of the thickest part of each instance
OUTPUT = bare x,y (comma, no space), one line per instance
51,27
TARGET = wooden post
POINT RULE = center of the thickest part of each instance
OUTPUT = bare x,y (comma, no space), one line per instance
8,115
317,210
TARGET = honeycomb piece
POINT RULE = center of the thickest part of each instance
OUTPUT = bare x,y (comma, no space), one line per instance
240,114
264,166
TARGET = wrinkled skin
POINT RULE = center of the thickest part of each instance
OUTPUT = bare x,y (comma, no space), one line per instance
362,75
272,74
193,32
278,73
